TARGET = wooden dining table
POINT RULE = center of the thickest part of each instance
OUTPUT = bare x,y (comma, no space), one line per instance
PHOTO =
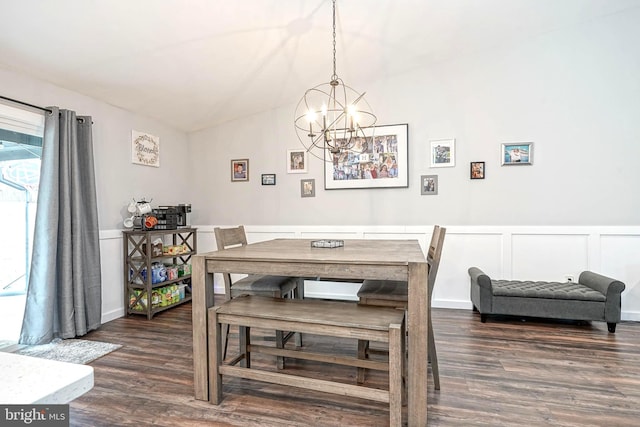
357,260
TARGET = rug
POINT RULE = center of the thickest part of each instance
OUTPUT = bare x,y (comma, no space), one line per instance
71,350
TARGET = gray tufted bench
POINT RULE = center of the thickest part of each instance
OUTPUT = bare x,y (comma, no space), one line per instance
592,297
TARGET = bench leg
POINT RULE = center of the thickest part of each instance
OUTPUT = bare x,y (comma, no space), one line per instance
225,340
396,357
244,336
363,350
299,294
280,344
433,356
215,357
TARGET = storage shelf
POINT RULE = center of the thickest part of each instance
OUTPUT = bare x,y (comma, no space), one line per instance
136,259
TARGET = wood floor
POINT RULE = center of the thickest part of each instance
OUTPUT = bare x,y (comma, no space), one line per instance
506,372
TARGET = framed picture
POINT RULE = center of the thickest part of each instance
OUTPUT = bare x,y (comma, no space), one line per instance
377,160
517,153
268,179
443,153
145,149
429,185
308,187
297,161
240,170
477,170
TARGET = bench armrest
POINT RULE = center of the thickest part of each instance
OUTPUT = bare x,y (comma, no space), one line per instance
610,288
605,285
478,277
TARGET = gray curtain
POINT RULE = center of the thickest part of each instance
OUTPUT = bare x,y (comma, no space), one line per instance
64,295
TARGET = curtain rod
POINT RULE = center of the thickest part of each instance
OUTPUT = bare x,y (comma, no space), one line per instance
80,119
25,103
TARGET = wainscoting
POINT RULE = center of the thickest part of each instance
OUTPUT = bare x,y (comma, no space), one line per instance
507,252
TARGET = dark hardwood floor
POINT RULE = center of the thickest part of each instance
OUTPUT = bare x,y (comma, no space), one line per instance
506,372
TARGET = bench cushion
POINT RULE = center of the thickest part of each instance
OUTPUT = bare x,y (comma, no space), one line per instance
548,290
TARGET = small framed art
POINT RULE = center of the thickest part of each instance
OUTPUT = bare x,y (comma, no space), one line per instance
297,161
477,170
429,185
308,188
517,153
443,153
268,179
240,170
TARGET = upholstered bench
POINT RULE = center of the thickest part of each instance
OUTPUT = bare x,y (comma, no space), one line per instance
592,297
328,318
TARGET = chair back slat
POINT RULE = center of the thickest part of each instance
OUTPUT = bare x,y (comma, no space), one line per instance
434,254
229,238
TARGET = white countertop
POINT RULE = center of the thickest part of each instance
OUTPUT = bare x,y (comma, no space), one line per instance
25,379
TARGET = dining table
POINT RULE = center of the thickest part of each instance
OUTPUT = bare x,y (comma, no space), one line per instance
356,259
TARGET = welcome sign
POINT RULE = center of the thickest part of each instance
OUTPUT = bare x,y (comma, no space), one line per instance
145,149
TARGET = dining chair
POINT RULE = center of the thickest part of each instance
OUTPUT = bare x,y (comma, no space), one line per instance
255,284
395,293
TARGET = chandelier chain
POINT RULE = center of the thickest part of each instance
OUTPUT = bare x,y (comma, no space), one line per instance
331,118
335,75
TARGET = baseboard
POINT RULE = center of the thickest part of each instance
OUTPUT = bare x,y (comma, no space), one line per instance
455,304
112,315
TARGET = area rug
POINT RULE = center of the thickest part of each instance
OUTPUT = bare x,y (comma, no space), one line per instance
71,350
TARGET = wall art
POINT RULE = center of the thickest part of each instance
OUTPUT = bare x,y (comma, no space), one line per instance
145,149
443,153
377,160
268,179
476,170
297,161
240,170
517,153
429,185
308,188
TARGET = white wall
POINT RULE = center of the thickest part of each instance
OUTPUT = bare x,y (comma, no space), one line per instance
117,179
574,93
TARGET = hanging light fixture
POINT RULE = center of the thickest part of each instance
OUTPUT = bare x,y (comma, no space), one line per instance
330,116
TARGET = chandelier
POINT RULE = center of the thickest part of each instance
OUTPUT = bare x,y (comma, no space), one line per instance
331,117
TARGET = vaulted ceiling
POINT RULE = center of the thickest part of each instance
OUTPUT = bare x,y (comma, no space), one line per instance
197,63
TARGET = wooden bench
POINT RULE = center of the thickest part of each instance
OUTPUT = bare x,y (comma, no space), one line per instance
328,318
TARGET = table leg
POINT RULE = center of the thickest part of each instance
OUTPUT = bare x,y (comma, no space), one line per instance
418,349
202,299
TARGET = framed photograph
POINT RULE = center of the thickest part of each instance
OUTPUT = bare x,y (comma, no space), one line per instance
476,170
297,161
443,153
308,187
240,170
517,153
378,159
429,185
268,179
